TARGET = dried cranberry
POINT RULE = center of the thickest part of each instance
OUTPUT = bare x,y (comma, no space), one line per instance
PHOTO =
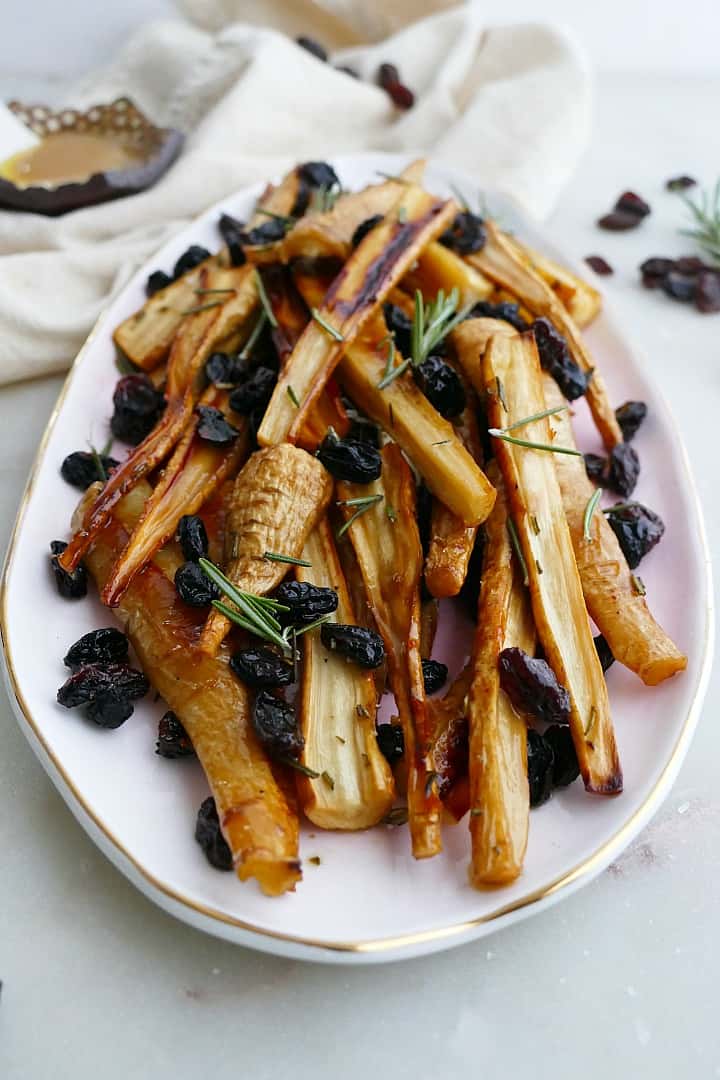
364,647
391,742
400,326
604,652
623,469
466,234
255,392
630,203
81,468
638,530
156,281
71,586
137,406
194,587
110,709
434,675
276,727
350,460
210,838
679,286
565,763
555,357
173,740
680,183
190,259
233,234
619,221
312,46
261,668
630,416
540,764
192,537
307,602
599,265
707,296
213,427
441,385
595,466
105,646
532,687
387,74
88,681
401,96
506,310
364,228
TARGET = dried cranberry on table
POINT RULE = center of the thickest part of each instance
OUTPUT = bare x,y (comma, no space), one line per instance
630,416
595,467
194,587
89,680
434,675
356,643
555,358
623,469
261,668
637,528
364,228
532,686
233,234
81,468
156,281
137,406
391,742
680,183
540,767
307,602
349,459
71,586
190,259
565,763
389,79
441,385
276,727
599,265
312,46
630,203
605,655
173,740
104,646
627,213
466,234
255,392
210,838
213,426
506,310
110,709
192,536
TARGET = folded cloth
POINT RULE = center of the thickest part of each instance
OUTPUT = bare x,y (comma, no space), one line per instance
509,104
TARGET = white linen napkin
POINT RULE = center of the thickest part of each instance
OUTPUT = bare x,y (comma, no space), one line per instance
509,104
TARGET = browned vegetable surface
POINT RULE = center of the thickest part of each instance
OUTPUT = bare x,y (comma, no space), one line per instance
440,268
581,300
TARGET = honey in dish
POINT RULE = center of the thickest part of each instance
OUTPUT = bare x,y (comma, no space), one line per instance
66,157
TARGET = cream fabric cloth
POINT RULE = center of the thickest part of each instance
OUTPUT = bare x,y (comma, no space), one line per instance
509,104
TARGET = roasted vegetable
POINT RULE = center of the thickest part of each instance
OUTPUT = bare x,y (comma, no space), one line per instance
578,297
369,274
470,340
355,788
275,503
449,727
539,517
619,611
439,268
390,558
213,706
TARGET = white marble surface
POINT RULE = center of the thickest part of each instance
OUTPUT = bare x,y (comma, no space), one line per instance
618,980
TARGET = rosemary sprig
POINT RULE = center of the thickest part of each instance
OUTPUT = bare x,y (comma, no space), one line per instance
254,335
266,305
254,612
391,513
202,307
293,397
515,541
498,433
536,416
326,325
275,556
390,362
706,214
589,511
363,504
431,323
304,769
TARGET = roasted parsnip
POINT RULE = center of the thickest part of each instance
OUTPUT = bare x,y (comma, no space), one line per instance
387,544
620,613
355,788
449,727
440,268
558,605
376,265
578,296
259,825
276,501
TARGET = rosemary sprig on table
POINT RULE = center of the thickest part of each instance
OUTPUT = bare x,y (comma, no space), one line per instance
266,305
589,511
706,214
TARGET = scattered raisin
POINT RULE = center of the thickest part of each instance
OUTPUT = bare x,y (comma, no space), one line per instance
599,265
605,655
619,221
541,764
190,259
630,203
312,46
532,687
137,406
156,281
707,295
173,740
680,183
109,709
255,392
623,469
276,727
213,427
595,466
81,468
364,228
654,271
71,586
194,587
210,838
638,530
679,286
192,537
349,459
555,358
466,234
261,668
565,764
364,647
434,675
232,232
630,416
89,680
391,741
506,310
105,646
441,385
307,602
225,369
389,79
365,431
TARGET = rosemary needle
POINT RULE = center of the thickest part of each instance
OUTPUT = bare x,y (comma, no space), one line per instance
274,556
536,416
328,327
589,511
267,306
497,433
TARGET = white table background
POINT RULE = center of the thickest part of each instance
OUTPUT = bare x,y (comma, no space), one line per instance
620,979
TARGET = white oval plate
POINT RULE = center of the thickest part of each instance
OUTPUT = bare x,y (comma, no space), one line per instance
368,900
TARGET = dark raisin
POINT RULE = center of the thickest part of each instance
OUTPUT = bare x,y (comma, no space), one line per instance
318,174
364,228
466,234
541,764
307,602
630,203
434,675
71,586
213,427
680,183
391,741
655,270
276,727
678,286
255,392
210,838
400,326
261,668
364,431
707,296
630,416
192,537
190,259
173,740
88,681
565,766
638,530
194,587
349,459
441,385
156,281
312,46
225,369
401,96
604,652
386,74
137,406
105,646
532,687
599,265
364,647
81,468
347,70
555,358
595,466
268,233
506,310
619,221
623,470
233,234
109,709
690,264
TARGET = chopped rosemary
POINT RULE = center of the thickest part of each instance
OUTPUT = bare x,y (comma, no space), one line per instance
293,397
591,721
340,739
97,461
440,442
476,811
315,860
534,524
326,325
328,780
304,769
391,513
254,335
275,556
202,307
324,198
402,215
536,416
515,541
360,500
312,625
589,511
497,433
638,585
364,503
266,305
393,373
500,388
431,323
254,613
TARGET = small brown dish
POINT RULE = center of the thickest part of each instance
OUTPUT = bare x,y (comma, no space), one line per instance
84,158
